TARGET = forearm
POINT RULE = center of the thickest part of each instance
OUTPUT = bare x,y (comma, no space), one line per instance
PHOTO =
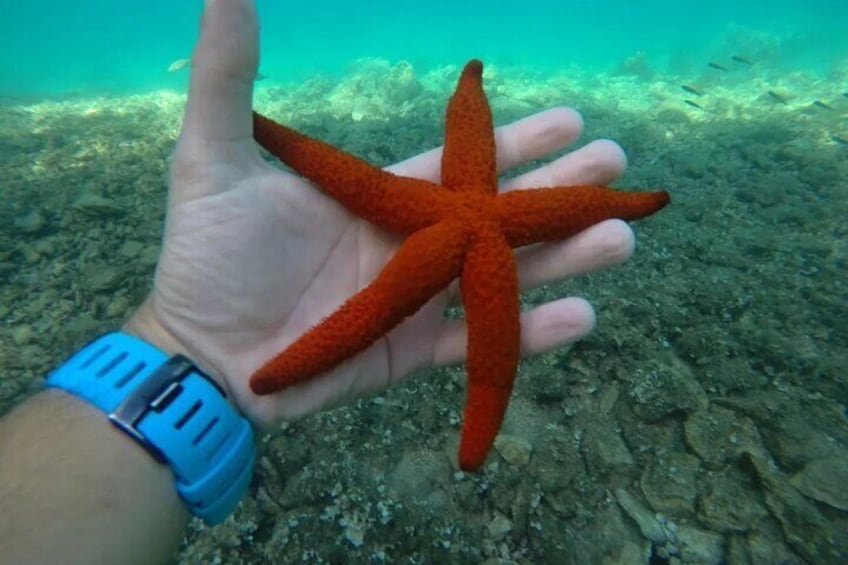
74,488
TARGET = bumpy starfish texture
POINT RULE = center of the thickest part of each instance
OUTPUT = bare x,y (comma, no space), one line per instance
461,227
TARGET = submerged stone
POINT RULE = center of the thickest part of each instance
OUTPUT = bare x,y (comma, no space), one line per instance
825,480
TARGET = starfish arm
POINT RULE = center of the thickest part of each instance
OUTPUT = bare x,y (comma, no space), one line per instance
468,160
489,285
395,203
425,263
549,214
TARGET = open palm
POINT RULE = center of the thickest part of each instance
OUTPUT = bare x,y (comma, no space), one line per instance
254,256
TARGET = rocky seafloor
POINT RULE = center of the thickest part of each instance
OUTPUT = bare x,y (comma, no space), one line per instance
703,422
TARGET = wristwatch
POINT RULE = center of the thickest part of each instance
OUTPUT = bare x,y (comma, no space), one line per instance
172,409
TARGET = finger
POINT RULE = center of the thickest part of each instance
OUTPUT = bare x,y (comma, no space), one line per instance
599,162
223,68
517,143
597,247
542,328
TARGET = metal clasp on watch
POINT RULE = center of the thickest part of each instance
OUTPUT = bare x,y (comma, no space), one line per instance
156,393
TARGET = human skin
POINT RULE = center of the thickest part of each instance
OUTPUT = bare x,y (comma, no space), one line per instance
252,257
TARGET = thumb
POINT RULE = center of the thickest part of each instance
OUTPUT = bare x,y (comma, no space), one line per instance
223,68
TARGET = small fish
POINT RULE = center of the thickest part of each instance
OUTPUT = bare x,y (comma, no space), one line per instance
178,64
716,66
692,90
839,139
778,97
693,104
822,105
740,59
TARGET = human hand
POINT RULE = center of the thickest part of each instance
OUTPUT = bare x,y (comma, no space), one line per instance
254,256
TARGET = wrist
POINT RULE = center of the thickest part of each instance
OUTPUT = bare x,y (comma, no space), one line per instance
172,409
145,324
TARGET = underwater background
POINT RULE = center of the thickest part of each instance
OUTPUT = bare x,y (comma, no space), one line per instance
60,46
705,419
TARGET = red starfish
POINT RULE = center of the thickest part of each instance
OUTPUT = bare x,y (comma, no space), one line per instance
462,227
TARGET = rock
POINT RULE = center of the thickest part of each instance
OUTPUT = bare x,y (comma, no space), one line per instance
29,255
149,256
117,307
616,543
30,223
608,397
794,442
731,504
23,335
556,465
606,448
700,547
353,529
404,86
812,535
668,483
422,475
104,278
130,249
766,544
790,436
717,435
82,327
825,480
636,64
98,206
663,390
737,551
644,518
361,107
547,388
499,527
514,449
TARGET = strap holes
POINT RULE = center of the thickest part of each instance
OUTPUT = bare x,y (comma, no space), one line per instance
130,375
188,415
112,364
205,431
95,356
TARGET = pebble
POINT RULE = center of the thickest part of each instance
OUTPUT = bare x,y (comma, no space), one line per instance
649,526
31,222
105,278
514,449
98,206
499,527
23,335
118,307
131,248
700,546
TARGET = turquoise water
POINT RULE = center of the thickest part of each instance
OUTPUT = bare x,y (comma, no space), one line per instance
704,421
61,46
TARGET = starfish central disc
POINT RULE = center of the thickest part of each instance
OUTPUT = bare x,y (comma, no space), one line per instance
473,207
459,228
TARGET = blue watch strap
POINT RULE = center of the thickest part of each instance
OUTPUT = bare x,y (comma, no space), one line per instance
173,410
